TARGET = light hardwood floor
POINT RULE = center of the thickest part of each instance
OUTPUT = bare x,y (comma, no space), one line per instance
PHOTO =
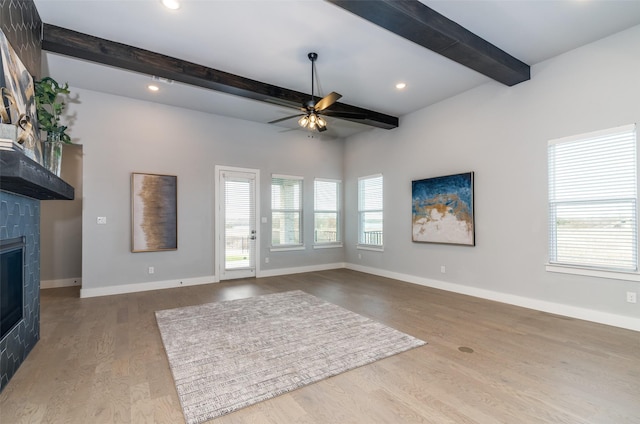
101,360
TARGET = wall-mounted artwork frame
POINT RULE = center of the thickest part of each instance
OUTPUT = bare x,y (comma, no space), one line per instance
443,210
154,212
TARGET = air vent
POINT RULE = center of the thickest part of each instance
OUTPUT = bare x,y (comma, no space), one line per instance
162,80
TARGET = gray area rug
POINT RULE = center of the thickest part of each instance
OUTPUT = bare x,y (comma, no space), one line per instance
228,355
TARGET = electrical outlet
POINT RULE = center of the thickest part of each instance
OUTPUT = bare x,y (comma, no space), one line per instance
266,260
632,297
152,270
359,255
443,269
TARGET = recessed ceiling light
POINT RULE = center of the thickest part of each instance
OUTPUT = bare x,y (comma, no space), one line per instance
171,4
401,85
153,87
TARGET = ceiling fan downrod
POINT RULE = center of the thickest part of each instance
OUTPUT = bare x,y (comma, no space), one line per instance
312,57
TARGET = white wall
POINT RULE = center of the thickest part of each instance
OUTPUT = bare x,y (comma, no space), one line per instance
121,135
501,134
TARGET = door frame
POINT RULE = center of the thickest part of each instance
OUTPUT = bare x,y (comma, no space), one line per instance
218,259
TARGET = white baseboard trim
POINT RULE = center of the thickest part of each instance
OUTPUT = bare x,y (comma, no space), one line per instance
301,269
63,282
600,317
152,285
615,320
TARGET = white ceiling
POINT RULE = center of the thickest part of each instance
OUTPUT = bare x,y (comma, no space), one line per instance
268,40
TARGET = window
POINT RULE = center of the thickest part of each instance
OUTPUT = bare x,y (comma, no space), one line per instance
593,200
326,219
370,211
286,211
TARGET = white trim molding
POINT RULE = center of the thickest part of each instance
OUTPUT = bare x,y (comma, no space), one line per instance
630,323
600,317
287,249
152,285
63,282
301,269
615,275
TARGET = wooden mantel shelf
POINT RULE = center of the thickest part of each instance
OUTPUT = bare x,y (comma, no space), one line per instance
21,175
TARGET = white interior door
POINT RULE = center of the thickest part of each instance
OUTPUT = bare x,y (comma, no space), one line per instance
237,228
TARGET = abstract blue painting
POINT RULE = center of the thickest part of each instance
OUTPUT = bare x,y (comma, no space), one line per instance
443,210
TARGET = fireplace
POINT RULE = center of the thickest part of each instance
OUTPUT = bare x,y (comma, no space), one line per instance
11,283
23,184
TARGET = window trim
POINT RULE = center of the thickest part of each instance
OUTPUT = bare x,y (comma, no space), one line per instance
338,212
363,246
291,246
588,272
585,270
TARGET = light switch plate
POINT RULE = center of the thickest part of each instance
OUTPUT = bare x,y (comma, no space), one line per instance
102,220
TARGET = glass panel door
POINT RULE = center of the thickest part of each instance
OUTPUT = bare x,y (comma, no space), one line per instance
239,232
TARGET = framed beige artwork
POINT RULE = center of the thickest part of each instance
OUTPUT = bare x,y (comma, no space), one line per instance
154,212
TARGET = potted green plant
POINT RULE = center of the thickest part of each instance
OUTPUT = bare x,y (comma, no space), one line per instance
49,107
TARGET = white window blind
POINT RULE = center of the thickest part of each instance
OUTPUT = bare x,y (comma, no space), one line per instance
239,221
593,200
370,211
326,211
286,210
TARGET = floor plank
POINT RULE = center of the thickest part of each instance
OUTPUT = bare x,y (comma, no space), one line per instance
102,360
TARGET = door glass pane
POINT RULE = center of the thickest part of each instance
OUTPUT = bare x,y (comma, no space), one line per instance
238,218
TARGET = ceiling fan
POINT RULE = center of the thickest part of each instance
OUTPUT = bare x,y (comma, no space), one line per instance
311,117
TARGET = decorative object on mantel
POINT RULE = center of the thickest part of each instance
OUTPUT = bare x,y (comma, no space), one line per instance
49,111
17,103
9,144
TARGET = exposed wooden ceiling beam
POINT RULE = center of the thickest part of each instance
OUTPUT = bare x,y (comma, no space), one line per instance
83,46
414,21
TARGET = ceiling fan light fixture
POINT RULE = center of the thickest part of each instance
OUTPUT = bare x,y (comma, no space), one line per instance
312,121
310,118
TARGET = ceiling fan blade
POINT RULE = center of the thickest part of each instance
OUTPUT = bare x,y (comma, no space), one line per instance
285,118
322,129
327,101
346,115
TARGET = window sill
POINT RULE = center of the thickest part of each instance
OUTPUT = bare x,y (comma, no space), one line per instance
286,248
370,247
615,275
327,246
